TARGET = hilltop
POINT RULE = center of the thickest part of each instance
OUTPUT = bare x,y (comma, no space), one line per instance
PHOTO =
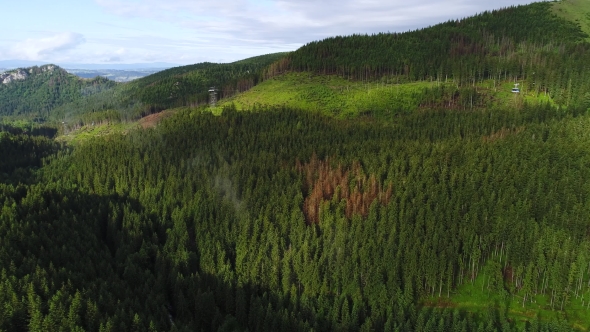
34,92
475,55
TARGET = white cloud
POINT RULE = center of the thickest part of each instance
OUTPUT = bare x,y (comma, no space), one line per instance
189,31
170,9
39,49
299,21
236,29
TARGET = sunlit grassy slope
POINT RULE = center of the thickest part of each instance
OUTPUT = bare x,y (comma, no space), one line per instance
81,134
479,297
385,98
84,133
577,11
331,94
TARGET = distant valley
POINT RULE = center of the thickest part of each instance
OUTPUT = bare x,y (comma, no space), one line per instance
116,75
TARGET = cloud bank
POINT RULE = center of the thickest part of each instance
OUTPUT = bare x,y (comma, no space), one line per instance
191,31
39,49
300,21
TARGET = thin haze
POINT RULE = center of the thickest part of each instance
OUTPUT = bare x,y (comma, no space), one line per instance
191,31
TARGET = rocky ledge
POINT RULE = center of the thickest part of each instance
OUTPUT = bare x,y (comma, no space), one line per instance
22,74
14,75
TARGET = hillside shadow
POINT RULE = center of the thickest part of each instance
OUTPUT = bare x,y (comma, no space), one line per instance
45,131
113,251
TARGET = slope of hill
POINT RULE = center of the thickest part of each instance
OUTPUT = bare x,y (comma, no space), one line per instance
576,11
467,212
481,47
290,220
174,87
383,99
34,92
49,93
525,44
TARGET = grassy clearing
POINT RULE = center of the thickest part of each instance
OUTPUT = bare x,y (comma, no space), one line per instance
577,11
501,95
475,297
90,131
331,95
339,97
87,132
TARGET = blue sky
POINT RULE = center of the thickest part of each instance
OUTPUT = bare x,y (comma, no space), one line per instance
192,31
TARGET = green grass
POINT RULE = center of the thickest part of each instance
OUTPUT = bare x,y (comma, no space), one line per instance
501,94
577,11
87,132
333,95
475,297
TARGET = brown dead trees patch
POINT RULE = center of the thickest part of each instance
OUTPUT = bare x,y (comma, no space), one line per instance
323,183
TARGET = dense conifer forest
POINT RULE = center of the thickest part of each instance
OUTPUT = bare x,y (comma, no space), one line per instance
205,223
283,219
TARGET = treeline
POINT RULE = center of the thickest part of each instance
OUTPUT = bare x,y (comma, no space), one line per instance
522,44
204,223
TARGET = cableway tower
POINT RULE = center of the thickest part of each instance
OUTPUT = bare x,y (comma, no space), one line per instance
516,89
212,96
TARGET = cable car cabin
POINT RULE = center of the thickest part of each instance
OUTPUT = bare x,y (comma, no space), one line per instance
516,89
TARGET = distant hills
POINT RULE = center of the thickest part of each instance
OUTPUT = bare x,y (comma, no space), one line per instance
117,72
114,74
62,96
11,64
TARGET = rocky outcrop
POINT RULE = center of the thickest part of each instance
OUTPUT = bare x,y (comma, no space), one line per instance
22,74
14,75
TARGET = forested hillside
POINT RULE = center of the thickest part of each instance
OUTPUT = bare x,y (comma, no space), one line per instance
439,202
285,220
55,96
180,86
41,89
519,44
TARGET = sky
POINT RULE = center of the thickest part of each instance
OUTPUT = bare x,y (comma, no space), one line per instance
192,31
